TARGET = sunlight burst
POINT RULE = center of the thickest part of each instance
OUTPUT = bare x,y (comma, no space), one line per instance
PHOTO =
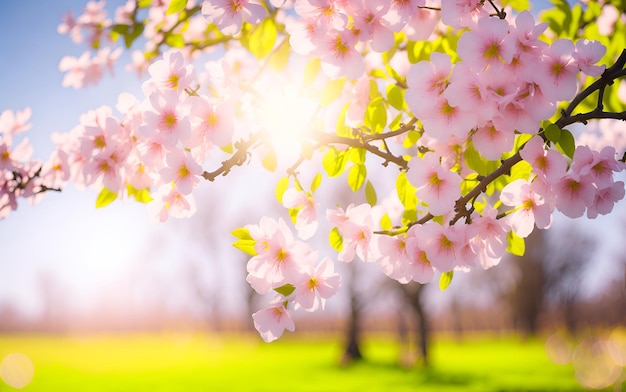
288,117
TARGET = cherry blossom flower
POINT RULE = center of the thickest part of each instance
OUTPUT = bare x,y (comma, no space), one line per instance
172,72
228,15
280,258
462,13
550,164
605,199
166,117
490,241
442,245
587,54
556,73
531,207
339,56
437,186
316,285
356,227
328,12
371,26
573,195
306,218
487,45
402,12
13,123
272,322
168,201
182,170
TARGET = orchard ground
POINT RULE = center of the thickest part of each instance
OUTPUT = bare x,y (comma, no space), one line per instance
201,362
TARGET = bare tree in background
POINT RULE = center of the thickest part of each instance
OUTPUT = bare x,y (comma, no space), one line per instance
569,254
527,295
413,296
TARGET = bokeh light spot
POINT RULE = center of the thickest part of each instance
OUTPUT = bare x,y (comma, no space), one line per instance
17,370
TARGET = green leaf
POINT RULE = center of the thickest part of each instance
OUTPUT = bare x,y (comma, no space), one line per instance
311,70
105,197
370,193
516,245
567,143
281,187
317,180
335,239
175,40
262,38
141,195
376,115
406,192
176,6
356,177
332,90
144,3
477,162
285,290
334,162
245,241
395,97
552,133
517,5
445,279
385,222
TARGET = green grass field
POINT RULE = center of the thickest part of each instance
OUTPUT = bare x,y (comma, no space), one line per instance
180,362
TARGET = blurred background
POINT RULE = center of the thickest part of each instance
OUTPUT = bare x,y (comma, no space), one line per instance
68,269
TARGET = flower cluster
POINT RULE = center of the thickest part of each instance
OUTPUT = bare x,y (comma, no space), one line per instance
480,164
289,267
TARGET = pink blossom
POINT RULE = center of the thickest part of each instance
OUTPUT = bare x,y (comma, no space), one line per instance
328,12
171,72
316,285
605,199
437,186
402,12
339,56
12,123
280,258
421,23
55,172
487,45
442,245
370,23
166,118
305,34
596,167
211,124
491,142
272,322
306,218
228,15
490,242
462,13
182,170
403,257
573,195
355,225
168,201
587,54
530,207
556,73
550,164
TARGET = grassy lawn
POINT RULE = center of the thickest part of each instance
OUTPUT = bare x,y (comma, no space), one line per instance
178,362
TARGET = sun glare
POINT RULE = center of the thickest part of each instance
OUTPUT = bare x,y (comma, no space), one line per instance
288,117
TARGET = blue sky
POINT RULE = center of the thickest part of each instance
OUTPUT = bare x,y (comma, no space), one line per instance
65,236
